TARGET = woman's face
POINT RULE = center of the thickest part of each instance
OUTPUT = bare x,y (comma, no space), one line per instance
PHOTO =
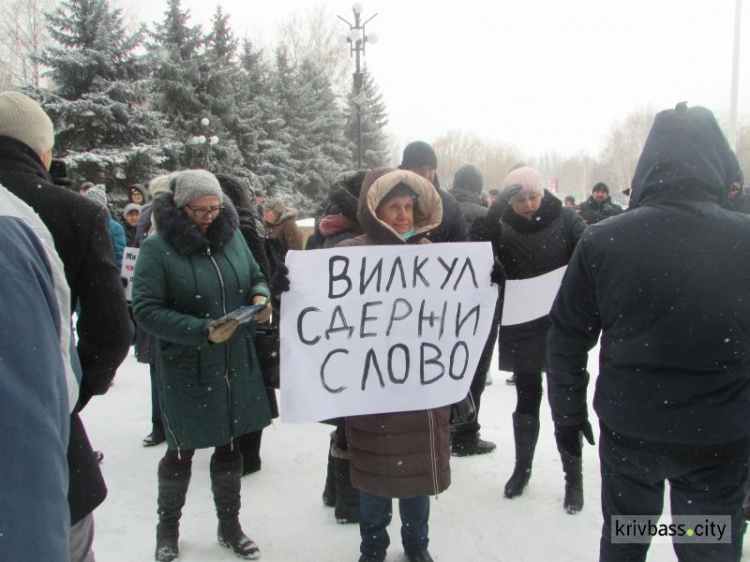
203,210
526,203
270,216
398,213
136,196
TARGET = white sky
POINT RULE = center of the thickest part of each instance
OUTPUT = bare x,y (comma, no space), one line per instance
544,75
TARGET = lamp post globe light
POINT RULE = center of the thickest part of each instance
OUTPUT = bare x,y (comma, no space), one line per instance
206,140
357,39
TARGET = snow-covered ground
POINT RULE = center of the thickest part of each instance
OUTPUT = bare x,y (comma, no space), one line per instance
282,509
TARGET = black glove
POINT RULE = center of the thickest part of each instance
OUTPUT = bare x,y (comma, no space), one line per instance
497,275
279,280
570,437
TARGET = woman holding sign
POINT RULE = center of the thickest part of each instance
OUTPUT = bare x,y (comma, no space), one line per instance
532,234
404,455
193,271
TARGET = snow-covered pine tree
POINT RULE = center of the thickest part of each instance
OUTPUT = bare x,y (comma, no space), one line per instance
325,152
174,58
217,91
105,129
266,156
375,149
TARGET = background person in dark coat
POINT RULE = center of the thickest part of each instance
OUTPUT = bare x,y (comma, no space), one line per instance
531,234
79,229
599,205
337,221
467,189
419,157
667,285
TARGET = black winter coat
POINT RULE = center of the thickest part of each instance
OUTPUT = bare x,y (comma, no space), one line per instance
80,230
592,211
668,285
453,226
470,204
528,249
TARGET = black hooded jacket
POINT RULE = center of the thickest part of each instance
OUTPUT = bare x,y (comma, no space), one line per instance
668,285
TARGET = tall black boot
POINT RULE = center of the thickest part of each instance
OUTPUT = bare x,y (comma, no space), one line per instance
226,485
526,433
173,486
347,497
573,468
329,492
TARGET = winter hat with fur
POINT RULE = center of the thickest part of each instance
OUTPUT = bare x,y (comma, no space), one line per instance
130,207
527,177
160,184
469,177
23,119
191,184
418,154
97,194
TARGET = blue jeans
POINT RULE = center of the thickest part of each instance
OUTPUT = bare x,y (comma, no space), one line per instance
707,480
375,515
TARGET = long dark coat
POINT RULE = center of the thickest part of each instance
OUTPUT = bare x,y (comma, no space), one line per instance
211,393
528,249
80,230
398,454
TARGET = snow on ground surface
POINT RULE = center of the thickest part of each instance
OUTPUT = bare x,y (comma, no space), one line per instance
282,509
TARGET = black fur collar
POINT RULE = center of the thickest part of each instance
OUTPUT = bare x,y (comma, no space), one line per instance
343,202
179,231
549,210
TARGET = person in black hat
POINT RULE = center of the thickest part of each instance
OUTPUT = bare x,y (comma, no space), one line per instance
599,206
419,157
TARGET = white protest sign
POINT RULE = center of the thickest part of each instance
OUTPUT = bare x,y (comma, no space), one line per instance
127,270
377,329
529,299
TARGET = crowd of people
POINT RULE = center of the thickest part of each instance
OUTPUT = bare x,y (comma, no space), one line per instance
665,286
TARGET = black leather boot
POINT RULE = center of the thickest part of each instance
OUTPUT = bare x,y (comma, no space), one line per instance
573,468
329,492
226,485
526,433
173,486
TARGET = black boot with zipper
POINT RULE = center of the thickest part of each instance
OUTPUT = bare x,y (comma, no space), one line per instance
173,486
226,485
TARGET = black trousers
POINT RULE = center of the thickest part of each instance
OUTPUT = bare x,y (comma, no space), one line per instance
703,480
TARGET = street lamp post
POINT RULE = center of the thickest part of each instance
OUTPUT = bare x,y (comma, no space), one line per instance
357,39
206,140
732,133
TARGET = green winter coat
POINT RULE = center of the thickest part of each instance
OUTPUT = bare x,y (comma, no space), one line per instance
184,279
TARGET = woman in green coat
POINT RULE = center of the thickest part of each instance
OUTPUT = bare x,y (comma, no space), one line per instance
194,270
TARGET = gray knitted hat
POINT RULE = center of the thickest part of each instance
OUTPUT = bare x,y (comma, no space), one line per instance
23,119
192,184
469,177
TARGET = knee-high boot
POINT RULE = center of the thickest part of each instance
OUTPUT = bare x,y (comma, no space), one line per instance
329,492
526,433
173,486
573,468
347,497
226,485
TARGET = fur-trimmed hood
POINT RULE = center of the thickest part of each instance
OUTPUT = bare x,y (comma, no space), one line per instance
176,228
428,210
